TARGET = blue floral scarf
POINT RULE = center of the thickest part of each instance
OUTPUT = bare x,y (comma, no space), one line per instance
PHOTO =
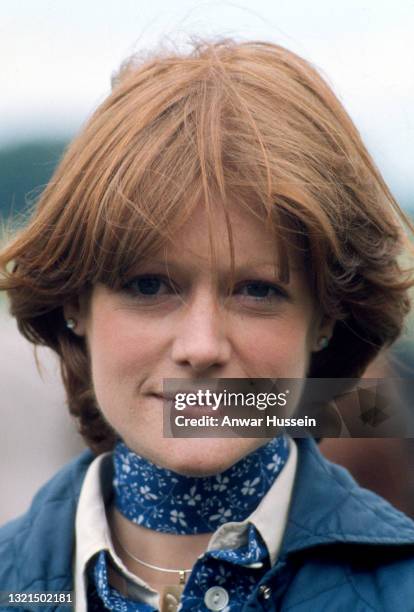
160,499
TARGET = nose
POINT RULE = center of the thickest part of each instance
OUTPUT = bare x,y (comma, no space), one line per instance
201,340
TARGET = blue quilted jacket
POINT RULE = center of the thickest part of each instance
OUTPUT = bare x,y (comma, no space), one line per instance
344,550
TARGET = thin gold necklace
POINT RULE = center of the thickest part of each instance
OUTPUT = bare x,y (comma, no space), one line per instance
181,572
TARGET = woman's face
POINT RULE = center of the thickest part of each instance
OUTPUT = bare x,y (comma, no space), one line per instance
172,321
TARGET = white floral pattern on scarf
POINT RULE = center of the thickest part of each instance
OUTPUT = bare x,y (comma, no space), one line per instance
158,498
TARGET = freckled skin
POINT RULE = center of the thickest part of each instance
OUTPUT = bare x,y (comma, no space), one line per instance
191,332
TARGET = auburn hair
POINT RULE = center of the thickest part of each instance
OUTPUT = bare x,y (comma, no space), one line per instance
251,123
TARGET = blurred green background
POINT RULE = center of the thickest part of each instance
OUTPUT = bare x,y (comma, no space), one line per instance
25,169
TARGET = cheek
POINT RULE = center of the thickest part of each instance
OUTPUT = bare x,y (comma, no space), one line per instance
276,348
121,353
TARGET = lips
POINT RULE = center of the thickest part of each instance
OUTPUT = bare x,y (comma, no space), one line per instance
171,387
190,411
169,397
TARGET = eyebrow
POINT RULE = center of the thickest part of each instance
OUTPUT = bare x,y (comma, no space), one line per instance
243,268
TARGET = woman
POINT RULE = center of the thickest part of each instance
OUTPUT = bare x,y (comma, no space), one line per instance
217,217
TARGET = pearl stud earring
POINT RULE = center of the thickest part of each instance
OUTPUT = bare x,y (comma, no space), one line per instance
71,323
323,342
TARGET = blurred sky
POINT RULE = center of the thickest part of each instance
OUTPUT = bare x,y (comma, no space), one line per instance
57,56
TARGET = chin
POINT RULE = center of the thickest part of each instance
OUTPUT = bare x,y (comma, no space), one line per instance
206,456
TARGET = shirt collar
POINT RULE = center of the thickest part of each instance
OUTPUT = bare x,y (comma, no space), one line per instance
269,517
93,535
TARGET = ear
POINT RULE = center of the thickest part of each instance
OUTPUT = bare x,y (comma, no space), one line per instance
323,334
75,314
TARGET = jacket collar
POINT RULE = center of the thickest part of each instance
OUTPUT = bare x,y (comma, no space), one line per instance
329,507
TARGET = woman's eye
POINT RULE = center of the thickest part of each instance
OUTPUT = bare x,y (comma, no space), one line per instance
152,287
148,286
260,291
